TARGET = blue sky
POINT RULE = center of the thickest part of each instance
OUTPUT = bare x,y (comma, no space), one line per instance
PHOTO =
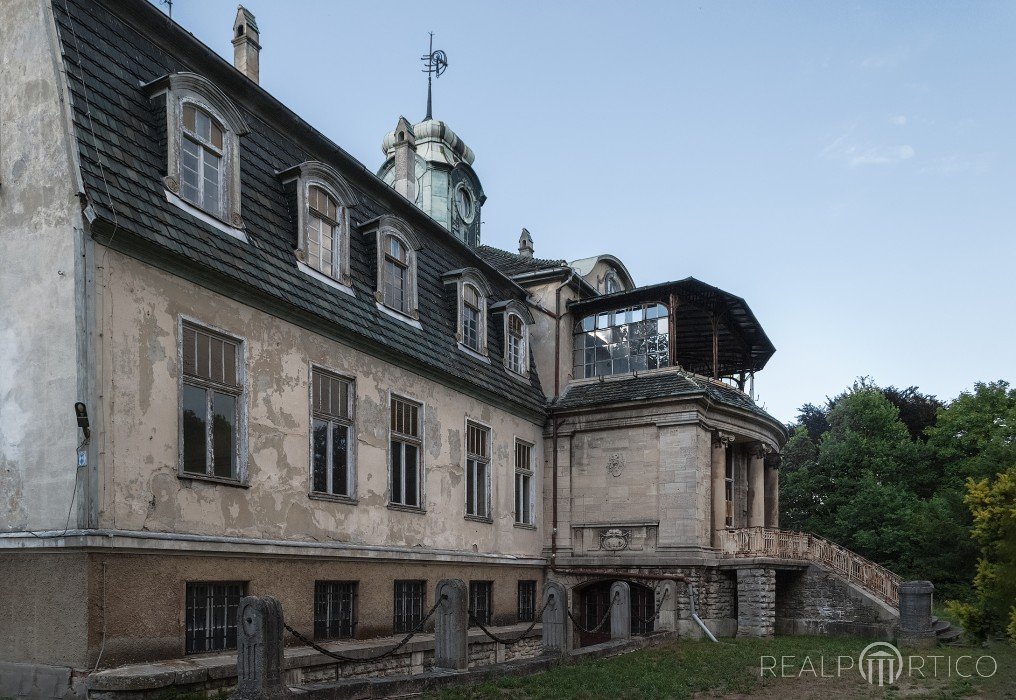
847,168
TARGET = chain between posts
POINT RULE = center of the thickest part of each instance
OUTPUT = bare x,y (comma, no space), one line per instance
342,657
606,616
510,642
659,605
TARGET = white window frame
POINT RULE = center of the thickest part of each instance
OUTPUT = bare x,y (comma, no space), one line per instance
419,442
184,88
514,307
383,227
240,478
530,520
317,174
350,423
487,459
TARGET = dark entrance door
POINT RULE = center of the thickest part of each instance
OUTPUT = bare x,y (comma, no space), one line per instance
594,602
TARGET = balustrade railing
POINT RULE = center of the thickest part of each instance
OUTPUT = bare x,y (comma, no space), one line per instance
783,544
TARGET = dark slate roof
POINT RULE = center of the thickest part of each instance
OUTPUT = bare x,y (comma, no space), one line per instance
513,264
653,385
109,54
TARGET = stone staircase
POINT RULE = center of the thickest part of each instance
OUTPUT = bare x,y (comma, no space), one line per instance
945,631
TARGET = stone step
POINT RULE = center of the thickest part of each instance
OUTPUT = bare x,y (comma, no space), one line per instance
939,625
952,634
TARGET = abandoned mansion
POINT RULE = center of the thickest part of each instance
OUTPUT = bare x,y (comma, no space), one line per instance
236,361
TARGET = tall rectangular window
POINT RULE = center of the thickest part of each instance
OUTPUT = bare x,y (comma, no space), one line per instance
409,599
396,271
210,404
334,609
527,601
477,470
524,512
728,487
210,623
332,426
480,599
406,448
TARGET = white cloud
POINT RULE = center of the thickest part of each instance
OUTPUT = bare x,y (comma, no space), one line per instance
898,120
841,150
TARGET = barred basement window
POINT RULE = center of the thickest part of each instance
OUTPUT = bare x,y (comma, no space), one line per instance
643,607
409,598
728,487
406,448
527,601
479,600
524,512
210,621
210,404
331,404
477,470
334,609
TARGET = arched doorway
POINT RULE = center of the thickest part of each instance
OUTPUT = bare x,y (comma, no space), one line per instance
594,601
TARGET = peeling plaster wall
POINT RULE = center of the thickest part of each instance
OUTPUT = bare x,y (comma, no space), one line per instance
542,333
143,492
40,288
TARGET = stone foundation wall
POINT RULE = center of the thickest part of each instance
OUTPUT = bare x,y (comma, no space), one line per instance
816,601
756,602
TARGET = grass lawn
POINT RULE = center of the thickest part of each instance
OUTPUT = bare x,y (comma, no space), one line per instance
731,669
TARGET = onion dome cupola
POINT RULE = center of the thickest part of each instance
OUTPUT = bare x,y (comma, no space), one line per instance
441,180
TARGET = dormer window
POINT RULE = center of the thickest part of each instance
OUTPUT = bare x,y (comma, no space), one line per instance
611,283
323,200
203,130
472,316
322,231
517,350
201,165
396,268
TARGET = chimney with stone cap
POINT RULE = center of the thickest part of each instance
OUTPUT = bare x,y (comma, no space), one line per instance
405,160
246,48
526,244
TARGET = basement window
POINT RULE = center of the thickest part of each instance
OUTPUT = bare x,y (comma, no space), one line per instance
211,614
334,609
480,601
527,601
409,597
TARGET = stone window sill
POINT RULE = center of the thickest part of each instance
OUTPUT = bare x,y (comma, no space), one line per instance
398,316
525,526
407,509
332,497
213,479
479,519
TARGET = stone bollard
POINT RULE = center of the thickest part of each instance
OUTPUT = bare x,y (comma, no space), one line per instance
260,671
620,612
451,622
916,598
667,620
555,615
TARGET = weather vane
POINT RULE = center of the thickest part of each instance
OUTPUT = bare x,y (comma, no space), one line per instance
435,63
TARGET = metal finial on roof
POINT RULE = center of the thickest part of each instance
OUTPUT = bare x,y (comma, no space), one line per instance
435,63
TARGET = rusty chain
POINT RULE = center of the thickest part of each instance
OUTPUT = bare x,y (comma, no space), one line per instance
606,616
652,620
511,642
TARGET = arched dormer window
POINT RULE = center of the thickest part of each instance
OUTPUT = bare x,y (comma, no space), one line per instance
611,284
323,200
471,292
203,130
517,320
397,246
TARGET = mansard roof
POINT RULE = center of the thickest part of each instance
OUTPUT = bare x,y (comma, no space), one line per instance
114,47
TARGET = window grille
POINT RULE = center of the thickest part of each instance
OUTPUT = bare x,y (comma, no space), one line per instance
477,470
334,609
210,404
406,448
632,339
331,399
211,610
527,601
480,599
409,599
524,512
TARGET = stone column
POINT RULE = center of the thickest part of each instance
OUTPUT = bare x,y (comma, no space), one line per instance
756,486
554,619
915,614
756,602
620,611
451,622
772,463
718,466
260,671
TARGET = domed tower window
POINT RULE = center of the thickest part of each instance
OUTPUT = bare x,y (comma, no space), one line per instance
464,204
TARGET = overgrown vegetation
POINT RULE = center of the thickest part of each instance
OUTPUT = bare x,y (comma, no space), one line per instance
686,669
925,488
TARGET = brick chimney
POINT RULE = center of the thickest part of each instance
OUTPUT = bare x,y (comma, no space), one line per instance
526,244
245,43
405,160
